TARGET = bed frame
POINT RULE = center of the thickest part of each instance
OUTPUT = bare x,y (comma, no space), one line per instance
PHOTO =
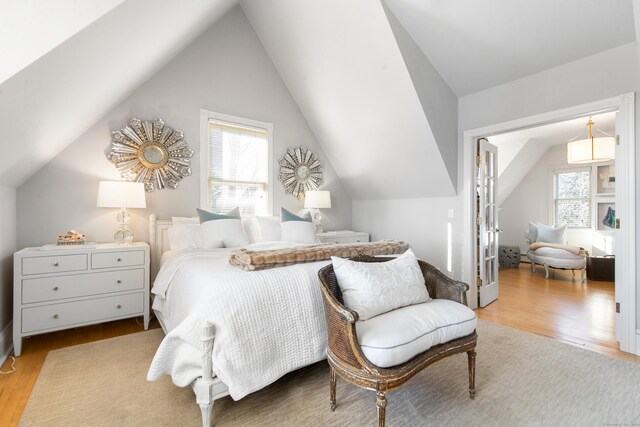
207,387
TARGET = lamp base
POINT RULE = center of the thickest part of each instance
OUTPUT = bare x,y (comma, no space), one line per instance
123,237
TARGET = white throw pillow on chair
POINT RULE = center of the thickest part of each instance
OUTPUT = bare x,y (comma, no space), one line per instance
373,288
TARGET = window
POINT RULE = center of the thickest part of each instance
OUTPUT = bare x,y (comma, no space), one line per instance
572,198
236,160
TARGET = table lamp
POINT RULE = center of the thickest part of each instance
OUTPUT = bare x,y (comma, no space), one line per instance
123,195
317,200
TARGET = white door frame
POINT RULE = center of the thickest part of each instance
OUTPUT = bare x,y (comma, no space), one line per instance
625,172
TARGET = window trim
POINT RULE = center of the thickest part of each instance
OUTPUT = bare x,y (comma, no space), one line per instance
552,193
205,116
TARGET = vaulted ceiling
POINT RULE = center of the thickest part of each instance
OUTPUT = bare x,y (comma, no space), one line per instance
377,81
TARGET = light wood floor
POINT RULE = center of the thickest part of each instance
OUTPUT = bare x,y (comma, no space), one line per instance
15,388
562,307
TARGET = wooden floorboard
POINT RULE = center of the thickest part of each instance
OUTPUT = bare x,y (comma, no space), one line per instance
561,307
15,388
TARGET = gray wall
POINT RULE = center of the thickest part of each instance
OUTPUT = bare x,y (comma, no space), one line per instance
226,70
7,248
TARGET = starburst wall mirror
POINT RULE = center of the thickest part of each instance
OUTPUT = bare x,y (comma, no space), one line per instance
300,171
150,152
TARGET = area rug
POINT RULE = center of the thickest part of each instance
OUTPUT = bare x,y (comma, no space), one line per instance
522,379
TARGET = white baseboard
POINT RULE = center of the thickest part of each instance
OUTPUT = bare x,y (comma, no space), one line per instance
6,342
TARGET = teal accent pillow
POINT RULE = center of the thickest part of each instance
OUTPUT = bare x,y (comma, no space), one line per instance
210,216
286,216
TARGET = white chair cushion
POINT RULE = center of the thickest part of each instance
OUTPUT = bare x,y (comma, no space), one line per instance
396,336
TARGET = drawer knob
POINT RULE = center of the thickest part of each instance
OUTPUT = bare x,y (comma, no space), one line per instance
118,306
55,316
118,281
56,263
119,260
55,288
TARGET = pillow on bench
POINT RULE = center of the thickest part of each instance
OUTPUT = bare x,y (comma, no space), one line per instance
373,288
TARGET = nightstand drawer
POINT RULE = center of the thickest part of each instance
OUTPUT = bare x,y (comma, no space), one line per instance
61,287
54,264
117,259
60,315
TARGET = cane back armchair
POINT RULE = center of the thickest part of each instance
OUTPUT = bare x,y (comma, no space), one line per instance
344,353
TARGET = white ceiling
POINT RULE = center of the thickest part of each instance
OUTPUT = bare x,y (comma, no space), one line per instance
519,151
342,64
342,61
475,44
51,102
31,28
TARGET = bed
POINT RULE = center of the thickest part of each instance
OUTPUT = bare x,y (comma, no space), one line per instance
230,331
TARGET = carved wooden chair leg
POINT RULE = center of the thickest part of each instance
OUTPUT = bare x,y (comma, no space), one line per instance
472,373
381,403
332,388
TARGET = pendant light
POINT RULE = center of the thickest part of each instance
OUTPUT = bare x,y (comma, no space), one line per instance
592,149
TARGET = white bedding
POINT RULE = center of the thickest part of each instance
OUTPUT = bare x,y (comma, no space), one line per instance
267,323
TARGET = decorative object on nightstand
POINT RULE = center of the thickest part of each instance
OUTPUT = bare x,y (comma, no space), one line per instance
300,171
70,287
123,195
343,236
70,238
317,200
152,153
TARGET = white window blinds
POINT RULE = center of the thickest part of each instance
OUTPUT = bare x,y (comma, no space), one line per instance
238,168
572,198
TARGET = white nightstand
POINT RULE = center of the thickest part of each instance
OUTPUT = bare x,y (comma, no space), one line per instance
56,289
344,236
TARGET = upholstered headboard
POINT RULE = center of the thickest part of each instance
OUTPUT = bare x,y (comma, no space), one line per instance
159,240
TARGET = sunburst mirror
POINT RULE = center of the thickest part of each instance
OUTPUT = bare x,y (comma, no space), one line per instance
300,171
151,153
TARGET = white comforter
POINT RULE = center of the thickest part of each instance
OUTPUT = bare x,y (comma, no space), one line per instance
267,323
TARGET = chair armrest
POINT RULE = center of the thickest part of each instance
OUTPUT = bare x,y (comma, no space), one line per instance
443,287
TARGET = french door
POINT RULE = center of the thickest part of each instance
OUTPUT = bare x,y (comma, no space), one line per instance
486,221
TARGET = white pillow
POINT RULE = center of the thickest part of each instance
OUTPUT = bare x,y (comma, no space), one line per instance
551,235
269,229
182,220
248,225
373,288
298,232
182,237
220,233
533,232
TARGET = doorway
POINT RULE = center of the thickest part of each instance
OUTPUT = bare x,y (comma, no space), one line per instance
544,285
625,288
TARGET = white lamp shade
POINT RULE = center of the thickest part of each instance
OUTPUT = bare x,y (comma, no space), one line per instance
121,194
317,199
588,151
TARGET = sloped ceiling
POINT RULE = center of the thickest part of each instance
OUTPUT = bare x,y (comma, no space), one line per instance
475,45
342,64
368,76
52,101
519,151
30,29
